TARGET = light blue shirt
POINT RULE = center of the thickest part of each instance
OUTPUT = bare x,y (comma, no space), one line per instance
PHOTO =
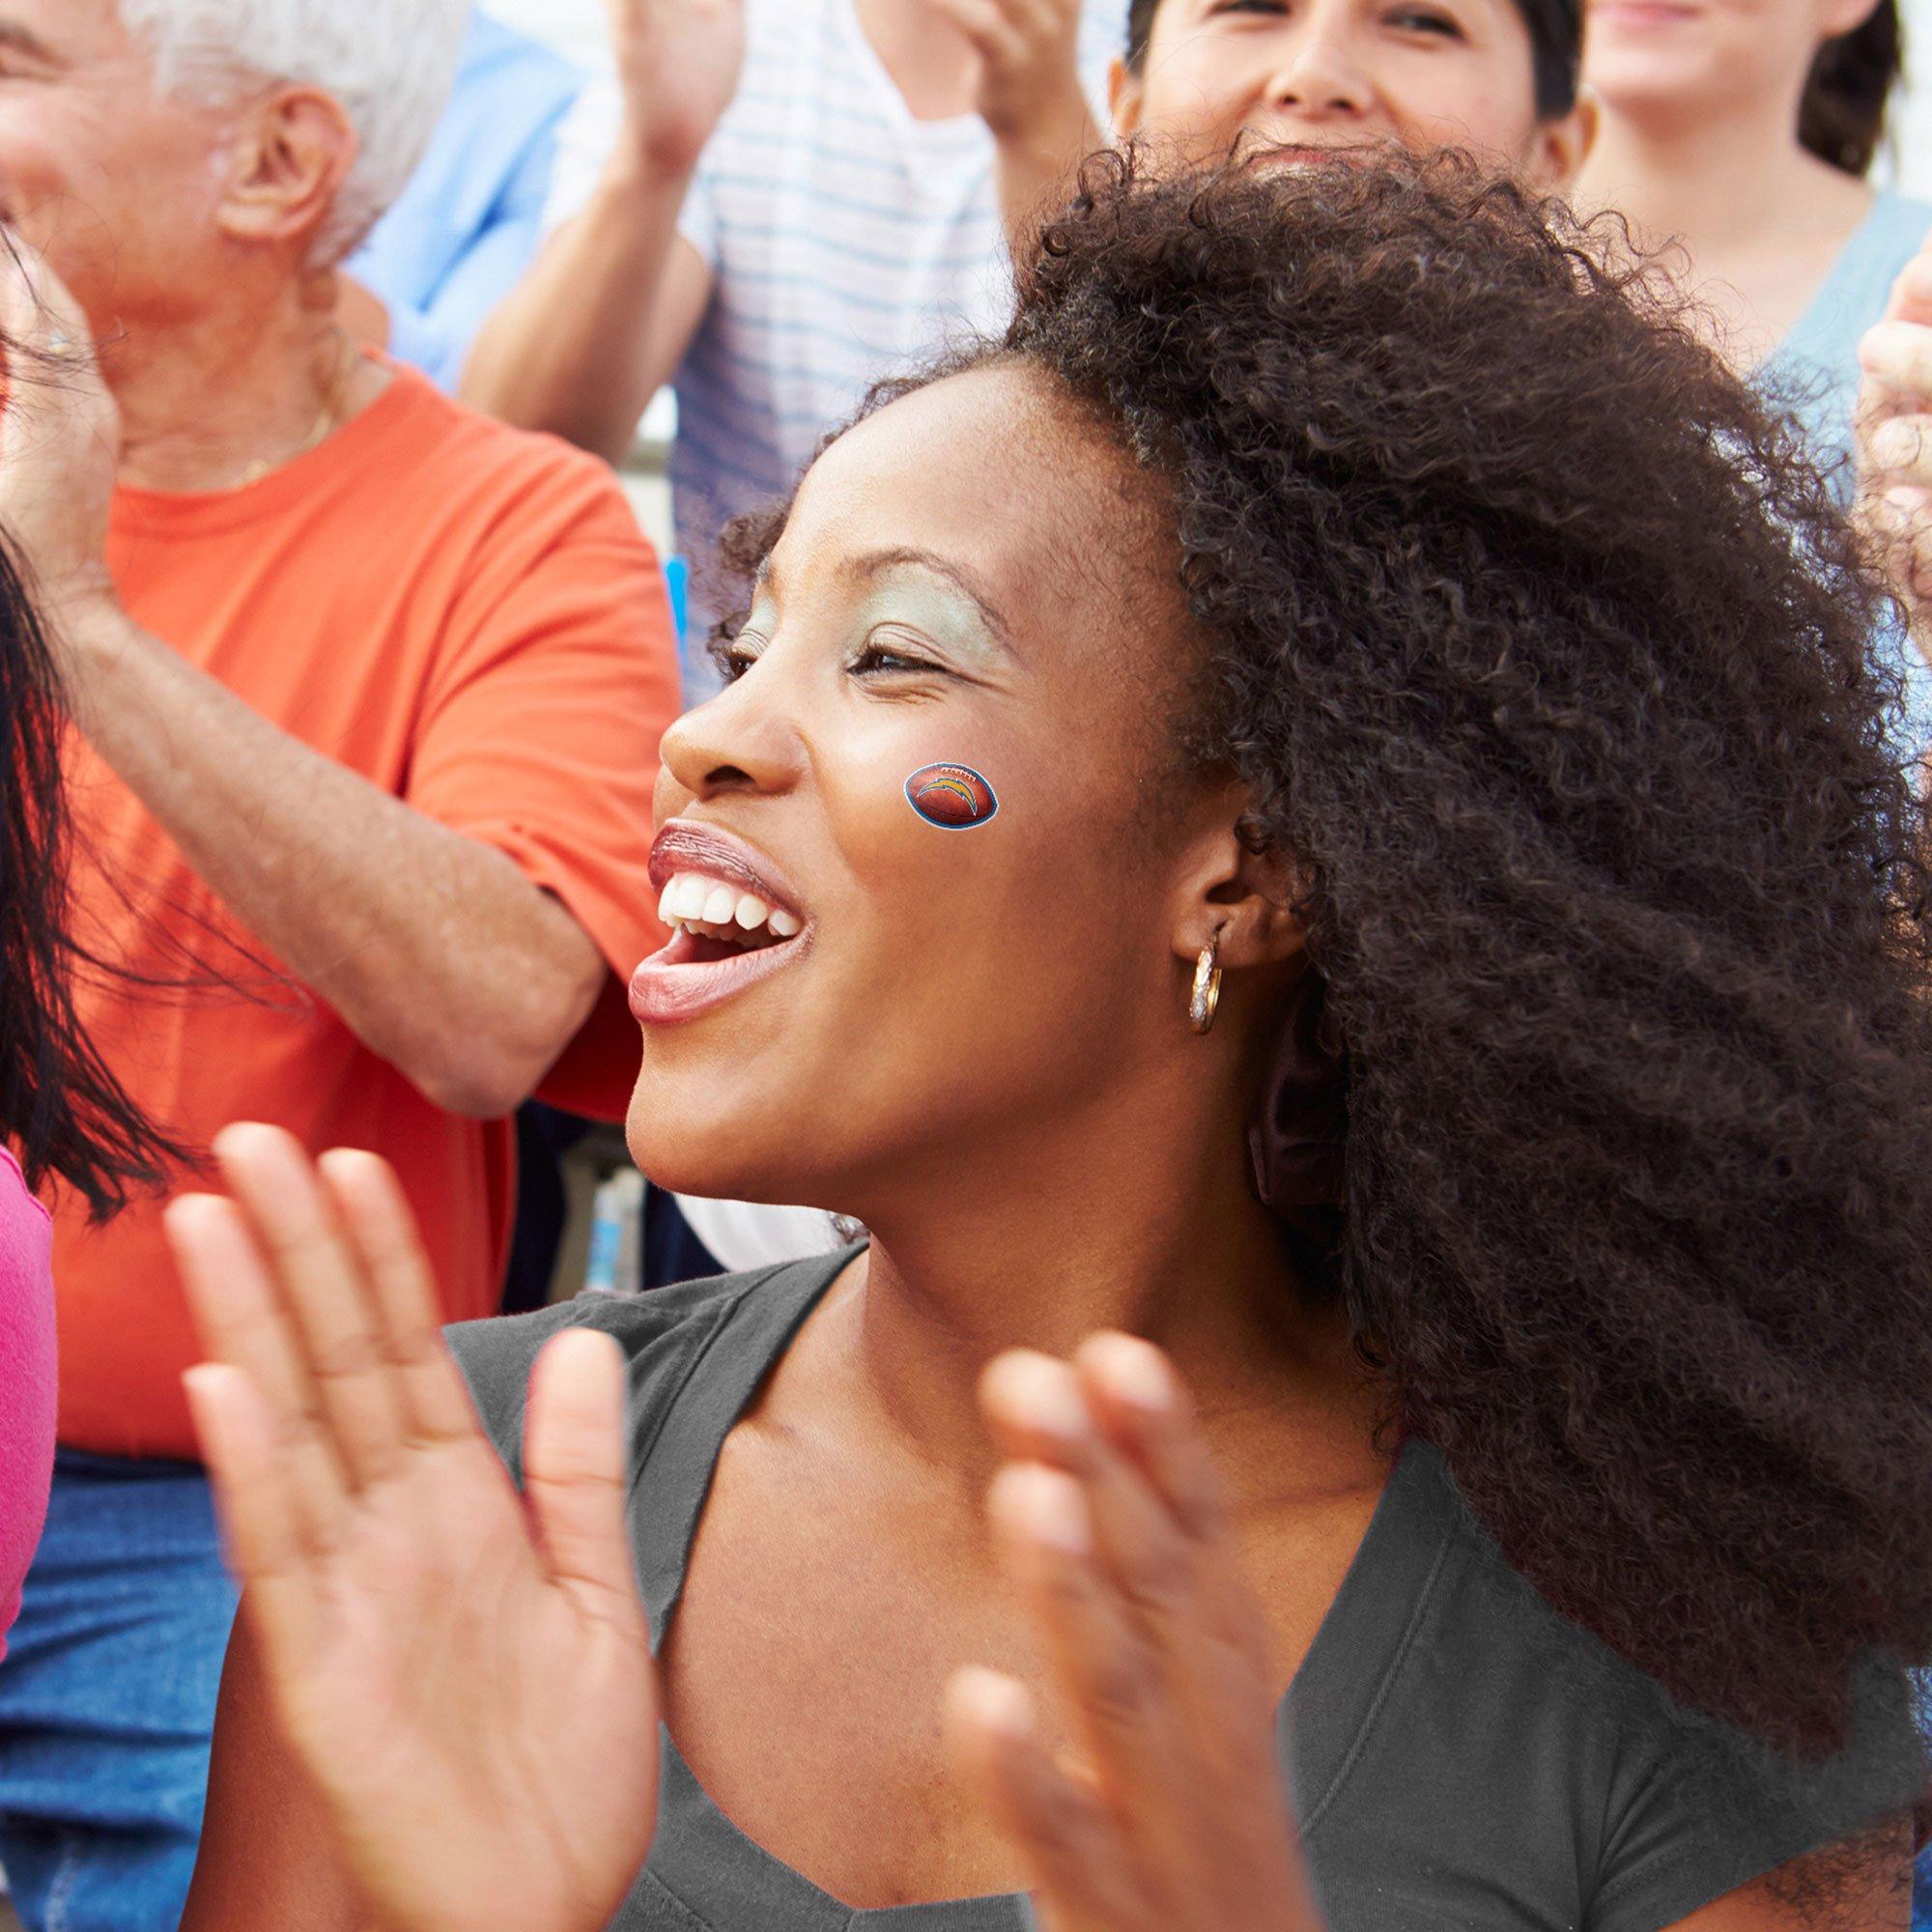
470,221
1814,372
1815,369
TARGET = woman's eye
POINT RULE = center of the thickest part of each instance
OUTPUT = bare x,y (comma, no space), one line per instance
884,656
1252,7
1420,20
733,660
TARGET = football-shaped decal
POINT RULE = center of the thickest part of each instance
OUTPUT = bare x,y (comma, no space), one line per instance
951,797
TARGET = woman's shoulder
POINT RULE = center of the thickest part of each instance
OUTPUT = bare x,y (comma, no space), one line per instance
1519,1745
663,1333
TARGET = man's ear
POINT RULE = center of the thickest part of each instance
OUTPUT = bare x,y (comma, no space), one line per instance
1251,899
1124,98
289,160
1559,148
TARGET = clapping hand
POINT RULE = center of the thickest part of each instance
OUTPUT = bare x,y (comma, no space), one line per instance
1029,68
60,443
1896,441
678,66
464,1673
1169,1815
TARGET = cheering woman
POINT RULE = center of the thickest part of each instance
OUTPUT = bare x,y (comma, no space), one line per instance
1309,841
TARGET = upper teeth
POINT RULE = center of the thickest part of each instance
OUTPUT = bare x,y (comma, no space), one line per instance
691,898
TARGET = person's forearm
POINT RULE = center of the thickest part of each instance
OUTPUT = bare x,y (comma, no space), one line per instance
438,953
1036,170
578,347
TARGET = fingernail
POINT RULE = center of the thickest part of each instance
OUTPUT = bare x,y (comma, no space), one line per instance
994,1701
1046,1397
1137,1371
1046,1506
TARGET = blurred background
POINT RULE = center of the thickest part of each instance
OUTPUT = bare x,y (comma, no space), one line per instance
577,26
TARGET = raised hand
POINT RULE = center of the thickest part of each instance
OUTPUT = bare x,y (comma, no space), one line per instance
1896,441
678,66
1031,97
1170,1815
1029,65
60,437
464,1673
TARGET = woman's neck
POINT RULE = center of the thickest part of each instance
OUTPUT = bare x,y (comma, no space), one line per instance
1761,218
1713,180
1156,1234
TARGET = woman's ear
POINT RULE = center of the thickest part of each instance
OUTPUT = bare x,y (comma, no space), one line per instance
1559,148
1250,895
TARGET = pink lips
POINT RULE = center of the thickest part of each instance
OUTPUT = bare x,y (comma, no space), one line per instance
686,845
672,986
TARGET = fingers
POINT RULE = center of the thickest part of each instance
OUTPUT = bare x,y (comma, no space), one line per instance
1073,1852
986,24
37,310
1911,297
260,1511
1896,361
242,1324
1153,1635
575,1473
1116,1693
1145,1412
323,1285
379,1226
1898,450
1153,1508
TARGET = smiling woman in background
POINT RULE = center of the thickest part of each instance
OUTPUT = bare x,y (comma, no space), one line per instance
1498,77
1744,130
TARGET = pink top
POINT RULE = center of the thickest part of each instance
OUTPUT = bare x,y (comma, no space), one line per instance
28,1383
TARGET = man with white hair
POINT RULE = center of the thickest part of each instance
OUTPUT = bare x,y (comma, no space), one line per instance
368,692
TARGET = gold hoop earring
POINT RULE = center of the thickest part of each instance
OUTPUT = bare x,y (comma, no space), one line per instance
1206,995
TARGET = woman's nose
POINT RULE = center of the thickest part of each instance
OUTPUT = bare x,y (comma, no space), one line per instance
1322,78
740,741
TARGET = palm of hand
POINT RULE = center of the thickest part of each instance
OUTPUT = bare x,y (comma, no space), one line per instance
62,435
475,1732
679,63
464,1673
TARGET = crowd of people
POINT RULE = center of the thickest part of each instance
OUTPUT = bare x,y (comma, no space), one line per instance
1292,781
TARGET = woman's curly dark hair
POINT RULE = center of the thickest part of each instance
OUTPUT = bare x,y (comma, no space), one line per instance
1547,657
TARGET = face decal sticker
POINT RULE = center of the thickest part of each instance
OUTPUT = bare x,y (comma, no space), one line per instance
951,797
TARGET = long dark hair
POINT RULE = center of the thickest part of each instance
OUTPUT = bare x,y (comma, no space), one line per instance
61,1109
1545,654
1842,118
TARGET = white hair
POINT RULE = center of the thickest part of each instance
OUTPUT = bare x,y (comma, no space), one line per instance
388,63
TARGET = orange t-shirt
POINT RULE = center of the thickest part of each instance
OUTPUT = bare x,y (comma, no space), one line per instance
468,616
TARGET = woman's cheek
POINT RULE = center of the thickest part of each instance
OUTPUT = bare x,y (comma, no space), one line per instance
929,817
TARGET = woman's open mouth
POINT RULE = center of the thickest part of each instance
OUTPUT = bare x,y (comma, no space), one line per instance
730,926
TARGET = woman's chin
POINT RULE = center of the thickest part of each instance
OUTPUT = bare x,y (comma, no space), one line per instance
710,1157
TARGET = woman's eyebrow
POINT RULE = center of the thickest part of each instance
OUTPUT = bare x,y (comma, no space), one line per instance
876,564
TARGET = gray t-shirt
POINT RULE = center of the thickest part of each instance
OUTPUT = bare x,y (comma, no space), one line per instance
1461,1756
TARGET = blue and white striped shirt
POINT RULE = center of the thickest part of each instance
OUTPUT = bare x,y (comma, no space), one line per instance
849,240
